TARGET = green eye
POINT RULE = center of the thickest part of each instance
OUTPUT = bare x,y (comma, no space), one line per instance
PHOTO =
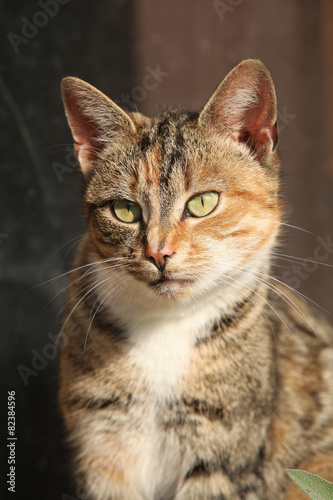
203,204
127,211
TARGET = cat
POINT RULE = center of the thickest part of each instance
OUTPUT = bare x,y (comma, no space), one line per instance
187,371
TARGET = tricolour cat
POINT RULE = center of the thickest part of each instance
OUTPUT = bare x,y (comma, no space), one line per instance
187,372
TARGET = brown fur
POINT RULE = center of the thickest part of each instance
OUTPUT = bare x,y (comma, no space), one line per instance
198,377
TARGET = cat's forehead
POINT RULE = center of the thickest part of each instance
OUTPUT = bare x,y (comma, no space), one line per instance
164,151
174,154
167,128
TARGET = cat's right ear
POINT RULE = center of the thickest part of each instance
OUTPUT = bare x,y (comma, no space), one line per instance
94,120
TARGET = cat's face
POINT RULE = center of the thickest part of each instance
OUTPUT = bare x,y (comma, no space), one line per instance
182,203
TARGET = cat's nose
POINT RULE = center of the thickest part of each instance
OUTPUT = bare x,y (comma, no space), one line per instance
159,255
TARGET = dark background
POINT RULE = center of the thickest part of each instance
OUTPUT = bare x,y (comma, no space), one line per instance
114,45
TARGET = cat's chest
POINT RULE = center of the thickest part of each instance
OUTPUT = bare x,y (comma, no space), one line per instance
161,348
161,352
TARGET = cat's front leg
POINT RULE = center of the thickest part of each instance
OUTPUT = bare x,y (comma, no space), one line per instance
208,487
201,484
104,462
102,482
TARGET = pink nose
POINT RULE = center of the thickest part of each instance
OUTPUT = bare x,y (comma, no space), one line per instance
159,255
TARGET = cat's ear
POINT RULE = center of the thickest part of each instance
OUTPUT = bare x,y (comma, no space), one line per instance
93,118
244,108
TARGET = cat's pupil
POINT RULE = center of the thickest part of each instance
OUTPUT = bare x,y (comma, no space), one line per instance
202,201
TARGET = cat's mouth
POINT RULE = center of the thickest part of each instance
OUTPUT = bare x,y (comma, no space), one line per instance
169,281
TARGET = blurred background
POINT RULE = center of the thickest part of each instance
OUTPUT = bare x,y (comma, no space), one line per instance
146,55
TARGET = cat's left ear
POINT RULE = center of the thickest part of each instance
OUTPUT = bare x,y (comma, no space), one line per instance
244,108
94,120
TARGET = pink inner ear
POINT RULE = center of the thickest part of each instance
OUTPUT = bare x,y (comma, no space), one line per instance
255,125
255,128
87,138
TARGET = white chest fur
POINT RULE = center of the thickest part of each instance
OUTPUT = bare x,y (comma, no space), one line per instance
161,347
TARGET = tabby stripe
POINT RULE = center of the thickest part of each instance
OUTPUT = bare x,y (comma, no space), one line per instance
167,132
239,313
100,315
205,469
201,407
224,322
145,143
100,403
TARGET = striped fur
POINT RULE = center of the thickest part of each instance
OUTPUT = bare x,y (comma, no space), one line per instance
209,383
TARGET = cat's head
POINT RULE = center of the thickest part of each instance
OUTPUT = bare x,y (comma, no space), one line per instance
183,202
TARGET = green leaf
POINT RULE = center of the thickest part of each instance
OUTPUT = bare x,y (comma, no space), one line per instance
314,486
